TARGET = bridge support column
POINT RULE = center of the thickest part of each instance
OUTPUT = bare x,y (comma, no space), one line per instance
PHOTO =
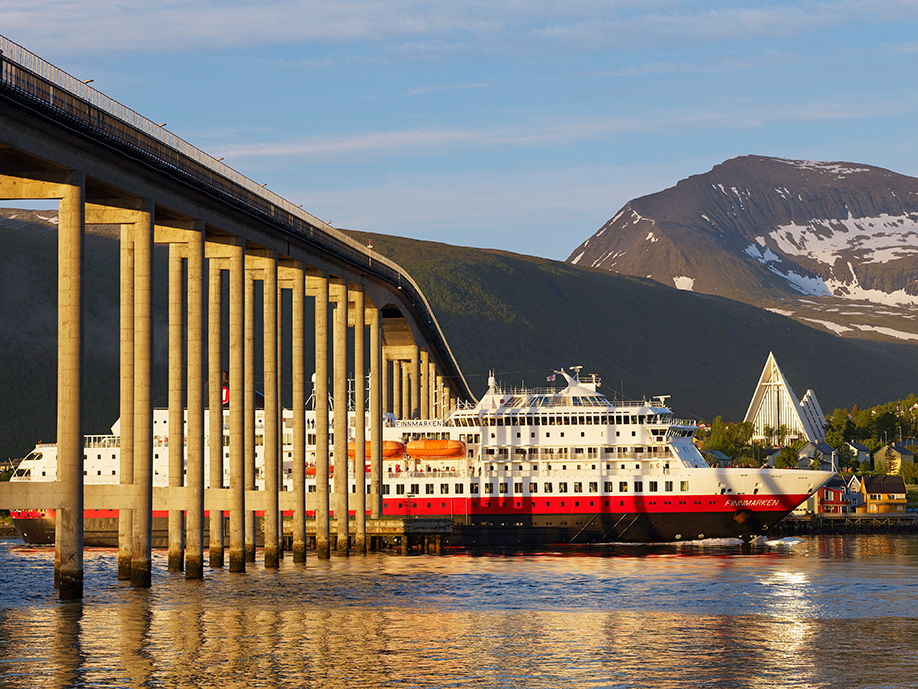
176,445
432,389
71,237
377,367
339,372
397,373
271,464
249,410
414,375
237,405
360,431
424,384
141,550
194,535
215,407
385,407
298,375
320,283
404,373
126,462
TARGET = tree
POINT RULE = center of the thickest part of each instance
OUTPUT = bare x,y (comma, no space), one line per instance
846,458
787,459
835,439
866,468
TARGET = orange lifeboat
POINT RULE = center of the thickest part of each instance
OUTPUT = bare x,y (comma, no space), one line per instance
391,449
427,448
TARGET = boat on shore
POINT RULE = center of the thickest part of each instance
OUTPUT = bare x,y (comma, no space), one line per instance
549,466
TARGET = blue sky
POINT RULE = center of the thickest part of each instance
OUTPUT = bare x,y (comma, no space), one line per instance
513,125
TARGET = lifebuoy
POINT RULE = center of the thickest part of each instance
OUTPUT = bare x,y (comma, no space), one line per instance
658,465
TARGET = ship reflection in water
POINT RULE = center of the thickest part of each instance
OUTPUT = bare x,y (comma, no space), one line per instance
813,615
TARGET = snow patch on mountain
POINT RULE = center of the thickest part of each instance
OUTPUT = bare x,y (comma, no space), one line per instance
762,254
651,238
877,240
684,282
853,290
577,258
890,332
837,328
805,284
817,166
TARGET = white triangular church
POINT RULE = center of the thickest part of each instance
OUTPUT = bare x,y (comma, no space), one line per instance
774,405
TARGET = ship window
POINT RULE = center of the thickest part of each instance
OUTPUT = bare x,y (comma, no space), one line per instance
548,488
652,486
622,486
638,487
473,488
444,489
400,489
668,486
385,489
489,487
683,486
578,486
458,489
518,487
594,486
533,487
503,487
562,487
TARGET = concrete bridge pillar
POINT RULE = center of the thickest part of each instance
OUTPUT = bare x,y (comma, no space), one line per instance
319,284
432,388
272,410
249,546
176,444
414,375
71,237
360,431
339,372
194,534
237,404
297,280
377,369
424,384
126,460
397,375
141,555
405,374
215,406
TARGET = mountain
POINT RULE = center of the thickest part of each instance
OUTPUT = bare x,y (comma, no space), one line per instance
523,317
831,244
520,316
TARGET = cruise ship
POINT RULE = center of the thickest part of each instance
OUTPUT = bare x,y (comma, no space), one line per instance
522,467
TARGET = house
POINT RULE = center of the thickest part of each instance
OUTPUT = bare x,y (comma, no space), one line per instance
861,452
889,458
832,498
718,458
854,496
882,495
821,450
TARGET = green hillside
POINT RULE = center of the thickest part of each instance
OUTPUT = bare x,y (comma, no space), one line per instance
524,316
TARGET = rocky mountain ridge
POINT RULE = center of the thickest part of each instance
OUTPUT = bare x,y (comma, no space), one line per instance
832,244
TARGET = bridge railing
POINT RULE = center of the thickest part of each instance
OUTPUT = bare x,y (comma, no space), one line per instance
96,114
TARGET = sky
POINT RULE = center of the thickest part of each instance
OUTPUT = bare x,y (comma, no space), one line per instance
512,125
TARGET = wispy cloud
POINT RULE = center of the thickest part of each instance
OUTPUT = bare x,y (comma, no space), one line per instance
427,141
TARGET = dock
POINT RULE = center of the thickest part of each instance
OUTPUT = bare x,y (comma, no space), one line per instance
813,524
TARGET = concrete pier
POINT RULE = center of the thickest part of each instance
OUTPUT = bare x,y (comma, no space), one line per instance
126,459
298,375
323,547
272,411
250,408
360,431
376,397
71,236
215,407
339,374
175,441
194,524
141,543
236,264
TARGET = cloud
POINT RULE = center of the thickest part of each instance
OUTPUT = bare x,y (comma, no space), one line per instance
558,132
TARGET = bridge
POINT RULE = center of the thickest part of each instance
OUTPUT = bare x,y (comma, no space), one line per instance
106,164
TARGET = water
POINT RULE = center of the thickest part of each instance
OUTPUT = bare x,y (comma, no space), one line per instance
826,612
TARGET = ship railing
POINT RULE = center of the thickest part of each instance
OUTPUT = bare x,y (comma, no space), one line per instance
433,474
98,441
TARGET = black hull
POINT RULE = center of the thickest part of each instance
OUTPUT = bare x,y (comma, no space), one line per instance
491,530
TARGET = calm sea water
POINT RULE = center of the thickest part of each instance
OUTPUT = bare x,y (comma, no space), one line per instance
827,612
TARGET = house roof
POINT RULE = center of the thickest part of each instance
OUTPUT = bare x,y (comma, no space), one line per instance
859,447
824,448
884,484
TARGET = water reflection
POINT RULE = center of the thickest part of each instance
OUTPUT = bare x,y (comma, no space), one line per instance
716,618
